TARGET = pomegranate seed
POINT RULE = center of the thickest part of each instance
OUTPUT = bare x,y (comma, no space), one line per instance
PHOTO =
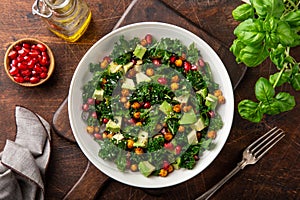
156,62
169,146
147,105
187,66
94,115
34,80
162,80
12,54
98,136
172,59
166,164
85,107
91,101
178,149
13,71
201,62
105,120
26,45
43,75
14,62
211,114
41,47
194,68
19,79
18,47
148,38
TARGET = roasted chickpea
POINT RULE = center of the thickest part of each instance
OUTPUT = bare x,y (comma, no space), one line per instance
110,135
125,92
181,129
218,93
130,144
144,42
137,115
211,134
168,136
187,108
139,150
221,99
134,167
96,129
104,135
183,56
138,124
149,72
136,105
163,173
174,86
90,129
127,105
177,108
178,63
175,79
104,64
170,168
123,99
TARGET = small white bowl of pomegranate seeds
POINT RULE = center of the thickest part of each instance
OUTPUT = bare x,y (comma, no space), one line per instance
29,62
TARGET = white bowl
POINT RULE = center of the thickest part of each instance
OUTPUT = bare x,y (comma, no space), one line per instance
104,47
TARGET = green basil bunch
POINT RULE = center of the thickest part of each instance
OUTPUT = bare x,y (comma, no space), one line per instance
268,29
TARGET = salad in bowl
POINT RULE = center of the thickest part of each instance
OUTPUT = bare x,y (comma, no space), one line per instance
151,105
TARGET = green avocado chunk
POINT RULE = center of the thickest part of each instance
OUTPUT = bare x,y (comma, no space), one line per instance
139,51
188,117
146,168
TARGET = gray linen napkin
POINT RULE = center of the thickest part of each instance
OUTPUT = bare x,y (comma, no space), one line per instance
23,162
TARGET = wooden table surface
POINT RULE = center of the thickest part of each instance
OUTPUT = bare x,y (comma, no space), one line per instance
276,176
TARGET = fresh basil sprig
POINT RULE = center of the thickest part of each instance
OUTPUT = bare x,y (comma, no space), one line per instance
268,29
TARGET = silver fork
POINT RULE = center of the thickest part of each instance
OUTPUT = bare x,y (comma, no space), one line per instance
253,153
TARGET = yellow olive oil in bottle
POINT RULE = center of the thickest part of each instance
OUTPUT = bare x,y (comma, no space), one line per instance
68,19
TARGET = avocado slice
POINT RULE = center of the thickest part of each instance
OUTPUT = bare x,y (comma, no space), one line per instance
211,101
188,117
177,163
165,107
141,77
192,137
142,139
199,125
113,126
139,51
98,94
128,84
114,67
146,168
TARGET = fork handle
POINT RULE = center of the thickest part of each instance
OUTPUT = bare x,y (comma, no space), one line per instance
212,190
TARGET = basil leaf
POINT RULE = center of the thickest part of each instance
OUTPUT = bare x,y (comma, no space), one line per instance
264,90
284,78
277,55
250,110
285,101
295,82
250,32
292,18
270,24
285,34
236,48
243,12
268,7
253,55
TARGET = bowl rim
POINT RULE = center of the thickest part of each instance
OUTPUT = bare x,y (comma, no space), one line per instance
31,41
148,184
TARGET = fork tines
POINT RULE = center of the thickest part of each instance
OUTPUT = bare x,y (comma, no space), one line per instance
266,142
